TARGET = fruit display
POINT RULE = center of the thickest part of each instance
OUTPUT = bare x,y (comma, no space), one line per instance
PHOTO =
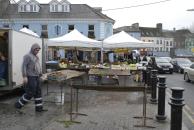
56,76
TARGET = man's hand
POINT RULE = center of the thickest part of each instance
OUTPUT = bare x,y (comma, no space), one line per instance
25,80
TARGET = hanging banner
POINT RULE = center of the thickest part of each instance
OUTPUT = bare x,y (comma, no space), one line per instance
192,49
123,50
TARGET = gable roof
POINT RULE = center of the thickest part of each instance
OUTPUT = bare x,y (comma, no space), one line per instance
126,29
78,11
22,1
65,1
150,32
33,1
53,1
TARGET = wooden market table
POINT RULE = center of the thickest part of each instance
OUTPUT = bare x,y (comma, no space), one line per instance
61,77
111,88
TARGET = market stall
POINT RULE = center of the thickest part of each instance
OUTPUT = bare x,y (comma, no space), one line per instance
73,43
123,40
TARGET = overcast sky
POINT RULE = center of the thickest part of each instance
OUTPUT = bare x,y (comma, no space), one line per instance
171,13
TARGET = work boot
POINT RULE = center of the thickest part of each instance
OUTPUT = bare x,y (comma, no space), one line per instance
41,110
18,109
17,105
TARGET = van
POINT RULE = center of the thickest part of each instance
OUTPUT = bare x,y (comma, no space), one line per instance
13,46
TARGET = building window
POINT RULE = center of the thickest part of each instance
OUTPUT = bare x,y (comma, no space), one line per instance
21,8
167,44
56,8
44,32
70,28
25,26
64,8
44,27
57,30
91,31
170,43
25,8
34,7
6,25
157,41
31,8
53,8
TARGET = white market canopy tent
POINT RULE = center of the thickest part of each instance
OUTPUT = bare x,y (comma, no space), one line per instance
28,31
124,40
74,39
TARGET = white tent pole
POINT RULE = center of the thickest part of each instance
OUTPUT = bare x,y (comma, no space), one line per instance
102,53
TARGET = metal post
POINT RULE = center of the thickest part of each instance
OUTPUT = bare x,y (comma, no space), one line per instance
176,108
101,52
144,77
71,101
153,86
161,98
148,75
77,100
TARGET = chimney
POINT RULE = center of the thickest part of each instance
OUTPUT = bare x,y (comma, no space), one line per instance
159,26
99,9
3,5
135,25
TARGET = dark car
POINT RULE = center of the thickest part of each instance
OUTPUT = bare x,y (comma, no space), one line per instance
179,64
163,65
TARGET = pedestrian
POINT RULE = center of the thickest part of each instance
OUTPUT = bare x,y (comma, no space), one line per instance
144,58
3,69
31,72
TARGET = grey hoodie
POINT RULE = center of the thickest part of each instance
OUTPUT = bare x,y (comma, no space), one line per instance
31,65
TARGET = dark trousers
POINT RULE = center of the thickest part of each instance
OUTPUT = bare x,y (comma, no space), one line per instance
32,89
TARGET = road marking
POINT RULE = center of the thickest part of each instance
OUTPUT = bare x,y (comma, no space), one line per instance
168,94
189,109
185,109
189,116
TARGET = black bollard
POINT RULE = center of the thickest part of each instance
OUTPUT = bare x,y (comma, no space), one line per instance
153,86
176,108
161,98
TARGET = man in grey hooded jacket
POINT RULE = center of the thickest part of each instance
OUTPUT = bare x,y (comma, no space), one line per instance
31,72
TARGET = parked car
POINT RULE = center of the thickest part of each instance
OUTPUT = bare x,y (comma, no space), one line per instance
189,73
180,63
163,65
168,58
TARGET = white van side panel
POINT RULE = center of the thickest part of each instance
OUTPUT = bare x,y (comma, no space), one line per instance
21,44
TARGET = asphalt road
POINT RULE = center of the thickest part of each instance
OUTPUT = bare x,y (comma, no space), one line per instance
176,80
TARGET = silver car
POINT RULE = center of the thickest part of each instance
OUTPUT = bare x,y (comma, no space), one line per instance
189,73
